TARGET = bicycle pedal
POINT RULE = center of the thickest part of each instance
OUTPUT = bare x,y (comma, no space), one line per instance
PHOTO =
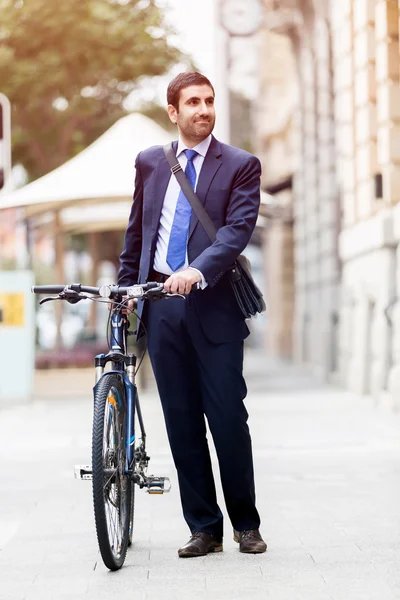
157,485
83,472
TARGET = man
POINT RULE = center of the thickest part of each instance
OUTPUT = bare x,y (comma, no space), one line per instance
196,345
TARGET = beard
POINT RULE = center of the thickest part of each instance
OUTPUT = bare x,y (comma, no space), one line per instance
197,130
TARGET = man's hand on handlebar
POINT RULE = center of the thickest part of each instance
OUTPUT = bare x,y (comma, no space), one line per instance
129,306
182,282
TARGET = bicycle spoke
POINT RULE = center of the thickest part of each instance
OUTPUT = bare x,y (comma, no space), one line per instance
114,531
112,522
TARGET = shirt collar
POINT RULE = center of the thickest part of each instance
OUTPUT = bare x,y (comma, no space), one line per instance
201,148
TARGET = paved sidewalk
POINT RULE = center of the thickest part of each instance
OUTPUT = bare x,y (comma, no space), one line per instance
328,486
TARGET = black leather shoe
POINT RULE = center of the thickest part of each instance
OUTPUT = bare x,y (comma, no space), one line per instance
201,544
250,541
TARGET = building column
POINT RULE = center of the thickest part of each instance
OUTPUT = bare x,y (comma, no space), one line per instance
327,215
316,227
305,209
388,51
278,260
344,100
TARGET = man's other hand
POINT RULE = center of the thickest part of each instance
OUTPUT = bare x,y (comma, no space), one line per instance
130,306
182,282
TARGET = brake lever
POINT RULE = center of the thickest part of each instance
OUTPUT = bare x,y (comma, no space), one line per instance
155,295
49,299
169,295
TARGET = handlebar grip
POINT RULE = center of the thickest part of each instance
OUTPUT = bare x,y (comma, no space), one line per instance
47,289
151,285
86,289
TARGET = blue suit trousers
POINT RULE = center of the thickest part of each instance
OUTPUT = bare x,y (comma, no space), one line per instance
198,379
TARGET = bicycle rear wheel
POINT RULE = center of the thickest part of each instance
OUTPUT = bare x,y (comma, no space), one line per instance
111,484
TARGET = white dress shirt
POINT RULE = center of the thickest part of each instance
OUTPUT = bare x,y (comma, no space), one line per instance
169,206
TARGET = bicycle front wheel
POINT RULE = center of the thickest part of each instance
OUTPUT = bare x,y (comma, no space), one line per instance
132,514
111,484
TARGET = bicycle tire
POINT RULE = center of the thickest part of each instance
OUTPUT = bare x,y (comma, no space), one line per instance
111,484
132,514
132,510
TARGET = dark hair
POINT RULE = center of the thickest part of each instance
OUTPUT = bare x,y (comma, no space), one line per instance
184,80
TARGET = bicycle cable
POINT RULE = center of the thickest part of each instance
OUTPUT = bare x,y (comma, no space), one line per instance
109,330
121,304
133,311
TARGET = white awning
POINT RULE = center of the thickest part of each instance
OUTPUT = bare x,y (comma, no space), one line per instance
102,173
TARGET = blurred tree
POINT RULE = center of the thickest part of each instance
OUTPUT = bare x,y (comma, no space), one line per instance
68,66
157,113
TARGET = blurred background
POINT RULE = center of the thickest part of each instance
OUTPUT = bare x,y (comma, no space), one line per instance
309,86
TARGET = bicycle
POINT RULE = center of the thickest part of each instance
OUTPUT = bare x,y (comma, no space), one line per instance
118,462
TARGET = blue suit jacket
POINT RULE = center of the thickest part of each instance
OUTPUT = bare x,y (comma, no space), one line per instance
229,188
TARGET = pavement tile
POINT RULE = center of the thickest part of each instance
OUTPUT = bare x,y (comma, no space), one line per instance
336,554
227,571
357,581
17,572
194,572
57,594
182,593
282,590
12,588
65,571
192,580
101,576
70,586
235,582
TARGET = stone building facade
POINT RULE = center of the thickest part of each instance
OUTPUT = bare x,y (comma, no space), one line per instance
273,122
343,134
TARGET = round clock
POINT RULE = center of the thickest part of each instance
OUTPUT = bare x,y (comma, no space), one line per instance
241,17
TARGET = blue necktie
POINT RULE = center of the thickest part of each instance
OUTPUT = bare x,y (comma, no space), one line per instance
176,253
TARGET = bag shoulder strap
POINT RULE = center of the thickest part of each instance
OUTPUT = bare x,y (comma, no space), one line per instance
186,188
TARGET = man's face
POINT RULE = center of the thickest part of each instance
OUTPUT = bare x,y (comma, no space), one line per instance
196,115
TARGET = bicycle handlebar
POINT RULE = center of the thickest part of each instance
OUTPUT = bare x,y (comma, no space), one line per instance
104,291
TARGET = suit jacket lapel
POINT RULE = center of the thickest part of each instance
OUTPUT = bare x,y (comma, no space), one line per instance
161,180
210,166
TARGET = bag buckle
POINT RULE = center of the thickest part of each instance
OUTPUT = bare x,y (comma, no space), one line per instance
176,168
235,273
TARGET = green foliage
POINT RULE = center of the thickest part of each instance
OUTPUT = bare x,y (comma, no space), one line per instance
89,54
